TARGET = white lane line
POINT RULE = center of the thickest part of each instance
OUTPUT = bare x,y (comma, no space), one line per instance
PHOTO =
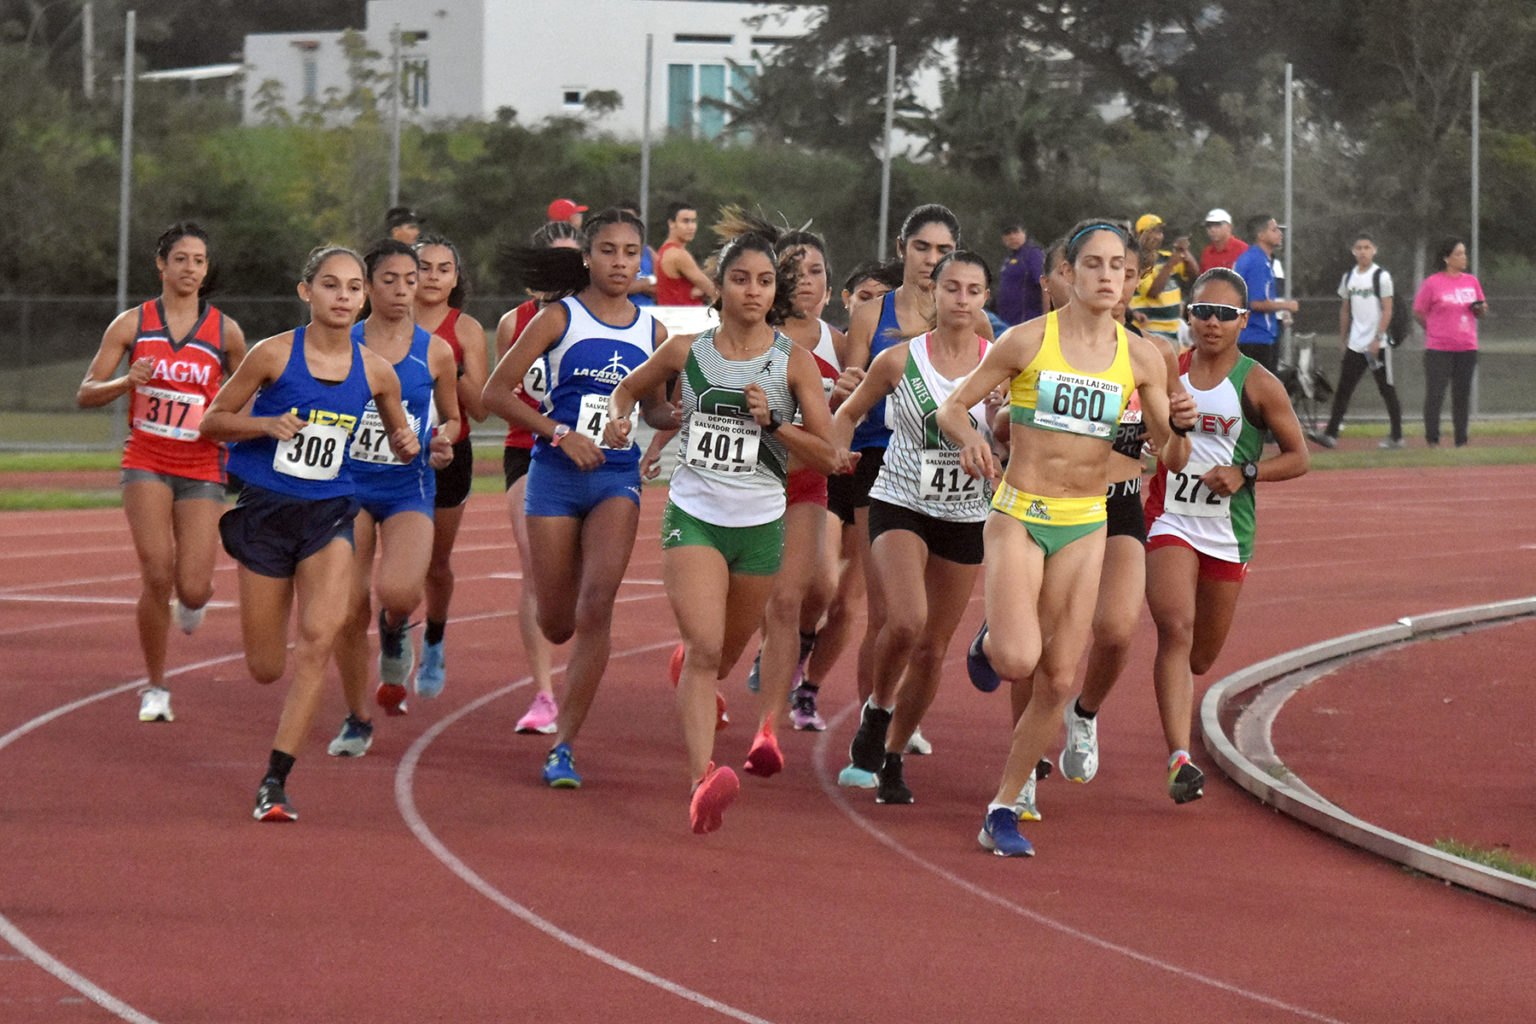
830,787
405,800
14,935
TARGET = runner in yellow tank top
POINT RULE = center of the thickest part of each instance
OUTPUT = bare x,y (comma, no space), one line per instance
1044,552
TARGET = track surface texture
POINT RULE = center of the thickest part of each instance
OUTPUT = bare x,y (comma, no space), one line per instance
438,879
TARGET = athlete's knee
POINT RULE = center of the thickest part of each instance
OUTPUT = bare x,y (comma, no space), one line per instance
158,579
1201,658
399,600
1012,658
705,656
902,630
784,606
266,668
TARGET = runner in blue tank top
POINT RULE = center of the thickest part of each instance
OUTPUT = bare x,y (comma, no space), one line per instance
583,500
396,497
292,529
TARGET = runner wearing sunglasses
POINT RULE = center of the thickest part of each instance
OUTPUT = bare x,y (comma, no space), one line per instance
1200,520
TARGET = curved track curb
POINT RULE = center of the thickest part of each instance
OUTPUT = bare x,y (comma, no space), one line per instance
1238,711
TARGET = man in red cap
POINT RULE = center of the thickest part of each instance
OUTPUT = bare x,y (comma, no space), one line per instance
566,210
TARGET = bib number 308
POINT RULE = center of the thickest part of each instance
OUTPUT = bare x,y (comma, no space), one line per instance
314,453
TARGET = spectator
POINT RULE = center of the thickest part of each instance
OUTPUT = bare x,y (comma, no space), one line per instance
679,281
1018,294
1448,306
1364,316
403,224
1159,299
1225,248
642,292
567,211
1256,265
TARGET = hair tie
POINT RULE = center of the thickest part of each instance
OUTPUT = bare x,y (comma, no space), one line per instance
1096,227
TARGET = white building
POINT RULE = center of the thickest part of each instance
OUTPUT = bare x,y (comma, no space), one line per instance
543,58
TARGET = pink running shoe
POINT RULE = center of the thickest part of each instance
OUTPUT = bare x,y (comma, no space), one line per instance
675,666
714,793
391,697
540,716
722,718
765,759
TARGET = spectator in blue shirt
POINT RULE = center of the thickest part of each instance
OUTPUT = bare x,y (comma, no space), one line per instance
1256,265
1018,281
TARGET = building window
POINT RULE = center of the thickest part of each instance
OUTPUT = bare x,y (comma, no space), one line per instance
311,78
415,83
571,97
680,97
720,40
711,87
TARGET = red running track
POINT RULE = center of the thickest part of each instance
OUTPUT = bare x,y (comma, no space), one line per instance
437,879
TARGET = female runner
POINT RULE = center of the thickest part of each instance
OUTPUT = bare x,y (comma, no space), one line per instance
440,291
928,234
925,516
583,499
396,498
723,529
1072,373
291,530
1200,516
179,349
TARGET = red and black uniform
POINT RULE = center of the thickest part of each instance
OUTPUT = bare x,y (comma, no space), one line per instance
165,413
454,480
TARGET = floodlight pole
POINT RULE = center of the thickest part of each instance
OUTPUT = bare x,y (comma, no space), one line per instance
394,117
124,194
1290,222
885,160
645,133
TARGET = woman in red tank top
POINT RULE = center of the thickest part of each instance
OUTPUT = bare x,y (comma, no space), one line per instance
440,292
180,350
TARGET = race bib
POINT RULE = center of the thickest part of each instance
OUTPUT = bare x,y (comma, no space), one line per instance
1186,495
370,442
164,413
536,381
943,482
593,419
724,444
1077,404
314,453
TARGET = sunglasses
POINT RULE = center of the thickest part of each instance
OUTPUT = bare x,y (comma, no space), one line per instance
1206,310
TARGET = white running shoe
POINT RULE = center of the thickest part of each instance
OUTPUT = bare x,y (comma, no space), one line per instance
918,743
188,619
155,705
1080,756
1025,807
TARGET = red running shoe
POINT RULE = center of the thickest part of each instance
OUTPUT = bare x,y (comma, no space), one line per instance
714,793
765,759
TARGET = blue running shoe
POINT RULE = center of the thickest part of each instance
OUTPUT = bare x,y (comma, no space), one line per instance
431,675
355,738
857,778
559,771
755,677
1000,834
978,667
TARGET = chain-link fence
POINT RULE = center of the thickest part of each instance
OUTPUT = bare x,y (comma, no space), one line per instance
51,339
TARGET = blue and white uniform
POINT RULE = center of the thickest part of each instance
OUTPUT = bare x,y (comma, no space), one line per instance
585,364
385,485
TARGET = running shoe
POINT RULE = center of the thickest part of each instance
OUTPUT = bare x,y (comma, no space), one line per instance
355,738
187,619
714,793
857,778
1024,807
1000,834
272,803
560,769
1185,781
765,759
391,697
397,654
893,789
918,744
1323,440
540,716
1391,442
722,717
675,666
978,667
432,674
755,677
802,710
1042,769
1080,756
867,751
155,705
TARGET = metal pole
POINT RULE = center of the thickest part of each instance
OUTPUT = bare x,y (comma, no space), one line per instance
1476,217
394,117
885,159
88,49
645,135
124,195
1290,223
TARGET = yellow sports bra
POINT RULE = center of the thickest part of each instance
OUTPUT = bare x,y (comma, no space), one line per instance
1050,395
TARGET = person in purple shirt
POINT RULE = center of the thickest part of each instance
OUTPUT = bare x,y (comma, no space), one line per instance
1018,281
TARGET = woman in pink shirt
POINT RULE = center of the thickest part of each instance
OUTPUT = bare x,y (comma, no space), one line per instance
1448,306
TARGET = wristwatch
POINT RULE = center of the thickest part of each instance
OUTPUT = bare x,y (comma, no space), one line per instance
559,435
1250,472
774,422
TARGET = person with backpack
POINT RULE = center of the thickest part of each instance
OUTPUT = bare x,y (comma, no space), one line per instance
1370,327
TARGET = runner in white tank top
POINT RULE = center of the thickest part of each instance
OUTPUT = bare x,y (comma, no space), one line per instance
925,517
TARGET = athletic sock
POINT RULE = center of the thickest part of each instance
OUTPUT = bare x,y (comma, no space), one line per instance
1173,757
808,686
278,767
995,807
807,641
434,633
1077,709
